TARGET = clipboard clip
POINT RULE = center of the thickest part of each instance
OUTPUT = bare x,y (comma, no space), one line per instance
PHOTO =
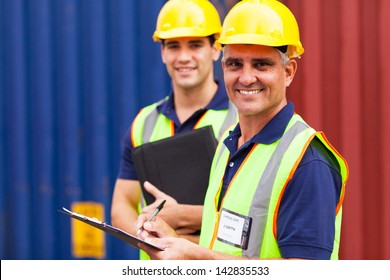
95,220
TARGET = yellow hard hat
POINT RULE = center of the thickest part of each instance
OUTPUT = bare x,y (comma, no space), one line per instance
261,22
187,18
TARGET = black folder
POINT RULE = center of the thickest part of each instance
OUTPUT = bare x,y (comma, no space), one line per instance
179,165
118,233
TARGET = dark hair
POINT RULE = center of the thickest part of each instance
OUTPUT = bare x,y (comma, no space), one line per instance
212,39
283,49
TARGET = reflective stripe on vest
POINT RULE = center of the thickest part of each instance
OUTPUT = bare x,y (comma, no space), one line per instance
231,119
150,122
149,125
264,188
258,200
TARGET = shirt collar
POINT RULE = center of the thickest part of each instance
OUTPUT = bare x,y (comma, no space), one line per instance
220,101
273,130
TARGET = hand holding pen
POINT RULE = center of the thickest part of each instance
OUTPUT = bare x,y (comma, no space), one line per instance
154,214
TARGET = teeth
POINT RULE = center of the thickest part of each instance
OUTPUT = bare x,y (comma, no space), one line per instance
185,69
249,92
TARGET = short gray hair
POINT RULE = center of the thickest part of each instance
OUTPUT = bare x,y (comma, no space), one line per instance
284,57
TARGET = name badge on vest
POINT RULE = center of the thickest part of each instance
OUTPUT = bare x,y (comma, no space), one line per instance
234,229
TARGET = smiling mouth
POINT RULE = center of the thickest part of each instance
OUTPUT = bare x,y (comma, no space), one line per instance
250,92
185,70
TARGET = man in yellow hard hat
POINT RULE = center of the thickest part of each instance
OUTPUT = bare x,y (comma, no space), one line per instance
187,30
276,185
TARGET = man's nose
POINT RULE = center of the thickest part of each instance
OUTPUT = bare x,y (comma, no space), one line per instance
247,76
184,54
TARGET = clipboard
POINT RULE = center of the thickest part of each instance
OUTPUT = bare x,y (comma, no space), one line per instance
178,166
118,233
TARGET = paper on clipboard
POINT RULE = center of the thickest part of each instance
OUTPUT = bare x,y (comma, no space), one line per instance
118,233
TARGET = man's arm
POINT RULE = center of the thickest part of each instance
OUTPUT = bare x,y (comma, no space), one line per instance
158,232
182,249
124,210
124,207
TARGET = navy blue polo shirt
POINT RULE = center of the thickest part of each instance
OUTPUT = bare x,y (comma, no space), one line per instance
220,101
306,220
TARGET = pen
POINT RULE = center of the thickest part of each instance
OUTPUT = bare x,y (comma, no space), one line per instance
154,214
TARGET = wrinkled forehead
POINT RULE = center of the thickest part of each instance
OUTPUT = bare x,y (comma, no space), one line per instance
248,50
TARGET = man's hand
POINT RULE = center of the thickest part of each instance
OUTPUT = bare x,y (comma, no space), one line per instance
159,232
174,248
157,227
172,211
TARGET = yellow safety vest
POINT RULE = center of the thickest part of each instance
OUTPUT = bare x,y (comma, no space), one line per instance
149,125
258,194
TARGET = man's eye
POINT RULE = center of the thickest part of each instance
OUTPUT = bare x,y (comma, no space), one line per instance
196,46
262,64
233,64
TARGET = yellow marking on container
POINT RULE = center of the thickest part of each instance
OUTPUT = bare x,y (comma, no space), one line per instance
87,241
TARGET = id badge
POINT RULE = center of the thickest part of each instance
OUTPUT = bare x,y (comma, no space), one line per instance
234,229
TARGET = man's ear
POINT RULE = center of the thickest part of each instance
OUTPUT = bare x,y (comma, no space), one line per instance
290,70
223,64
216,53
162,54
